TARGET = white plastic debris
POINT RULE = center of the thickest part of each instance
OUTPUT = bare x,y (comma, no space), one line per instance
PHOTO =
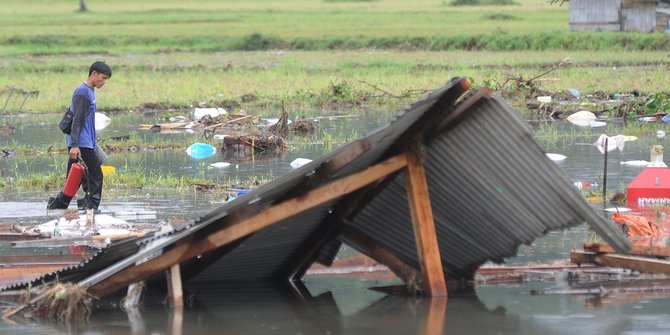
636,163
582,118
220,165
597,124
298,162
613,142
618,209
556,157
101,121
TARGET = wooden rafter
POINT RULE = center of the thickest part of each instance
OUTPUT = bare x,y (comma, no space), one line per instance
379,253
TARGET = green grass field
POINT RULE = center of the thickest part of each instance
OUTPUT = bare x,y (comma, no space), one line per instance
180,53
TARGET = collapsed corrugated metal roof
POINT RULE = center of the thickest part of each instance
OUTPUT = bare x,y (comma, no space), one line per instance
491,189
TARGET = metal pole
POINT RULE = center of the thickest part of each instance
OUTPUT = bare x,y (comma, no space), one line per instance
605,175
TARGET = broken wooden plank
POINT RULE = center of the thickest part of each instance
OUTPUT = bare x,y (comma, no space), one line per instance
248,118
162,126
19,236
583,257
424,228
641,264
640,250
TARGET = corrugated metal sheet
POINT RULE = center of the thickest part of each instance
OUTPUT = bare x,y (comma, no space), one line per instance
491,189
99,260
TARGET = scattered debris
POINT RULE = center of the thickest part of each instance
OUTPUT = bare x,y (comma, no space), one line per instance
637,226
74,225
63,302
247,145
584,184
303,126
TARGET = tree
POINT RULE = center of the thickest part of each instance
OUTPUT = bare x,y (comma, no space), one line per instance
82,6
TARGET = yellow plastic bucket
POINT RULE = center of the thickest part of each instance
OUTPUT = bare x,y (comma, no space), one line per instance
107,170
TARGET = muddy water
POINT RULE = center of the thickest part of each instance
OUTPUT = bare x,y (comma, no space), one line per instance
340,305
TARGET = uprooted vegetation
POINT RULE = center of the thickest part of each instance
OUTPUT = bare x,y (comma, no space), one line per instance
626,106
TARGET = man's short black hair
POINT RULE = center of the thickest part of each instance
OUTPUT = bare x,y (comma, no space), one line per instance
100,67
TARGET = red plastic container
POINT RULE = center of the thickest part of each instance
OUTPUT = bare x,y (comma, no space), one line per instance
73,180
651,187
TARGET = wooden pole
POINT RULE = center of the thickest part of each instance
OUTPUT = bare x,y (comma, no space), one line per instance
424,227
175,294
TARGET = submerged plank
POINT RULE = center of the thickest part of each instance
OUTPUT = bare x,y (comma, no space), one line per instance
641,264
639,250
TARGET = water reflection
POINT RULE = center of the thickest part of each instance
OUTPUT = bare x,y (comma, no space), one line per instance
268,310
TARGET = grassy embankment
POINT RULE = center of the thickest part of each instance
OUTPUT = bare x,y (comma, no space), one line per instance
307,53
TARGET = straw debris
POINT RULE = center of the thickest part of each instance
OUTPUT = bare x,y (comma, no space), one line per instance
64,302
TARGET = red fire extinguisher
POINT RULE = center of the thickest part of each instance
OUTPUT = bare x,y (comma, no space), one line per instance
74,179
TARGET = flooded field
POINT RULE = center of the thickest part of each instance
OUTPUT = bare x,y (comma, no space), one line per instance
329,305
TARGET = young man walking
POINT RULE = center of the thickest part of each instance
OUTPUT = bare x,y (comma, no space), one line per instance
82,139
